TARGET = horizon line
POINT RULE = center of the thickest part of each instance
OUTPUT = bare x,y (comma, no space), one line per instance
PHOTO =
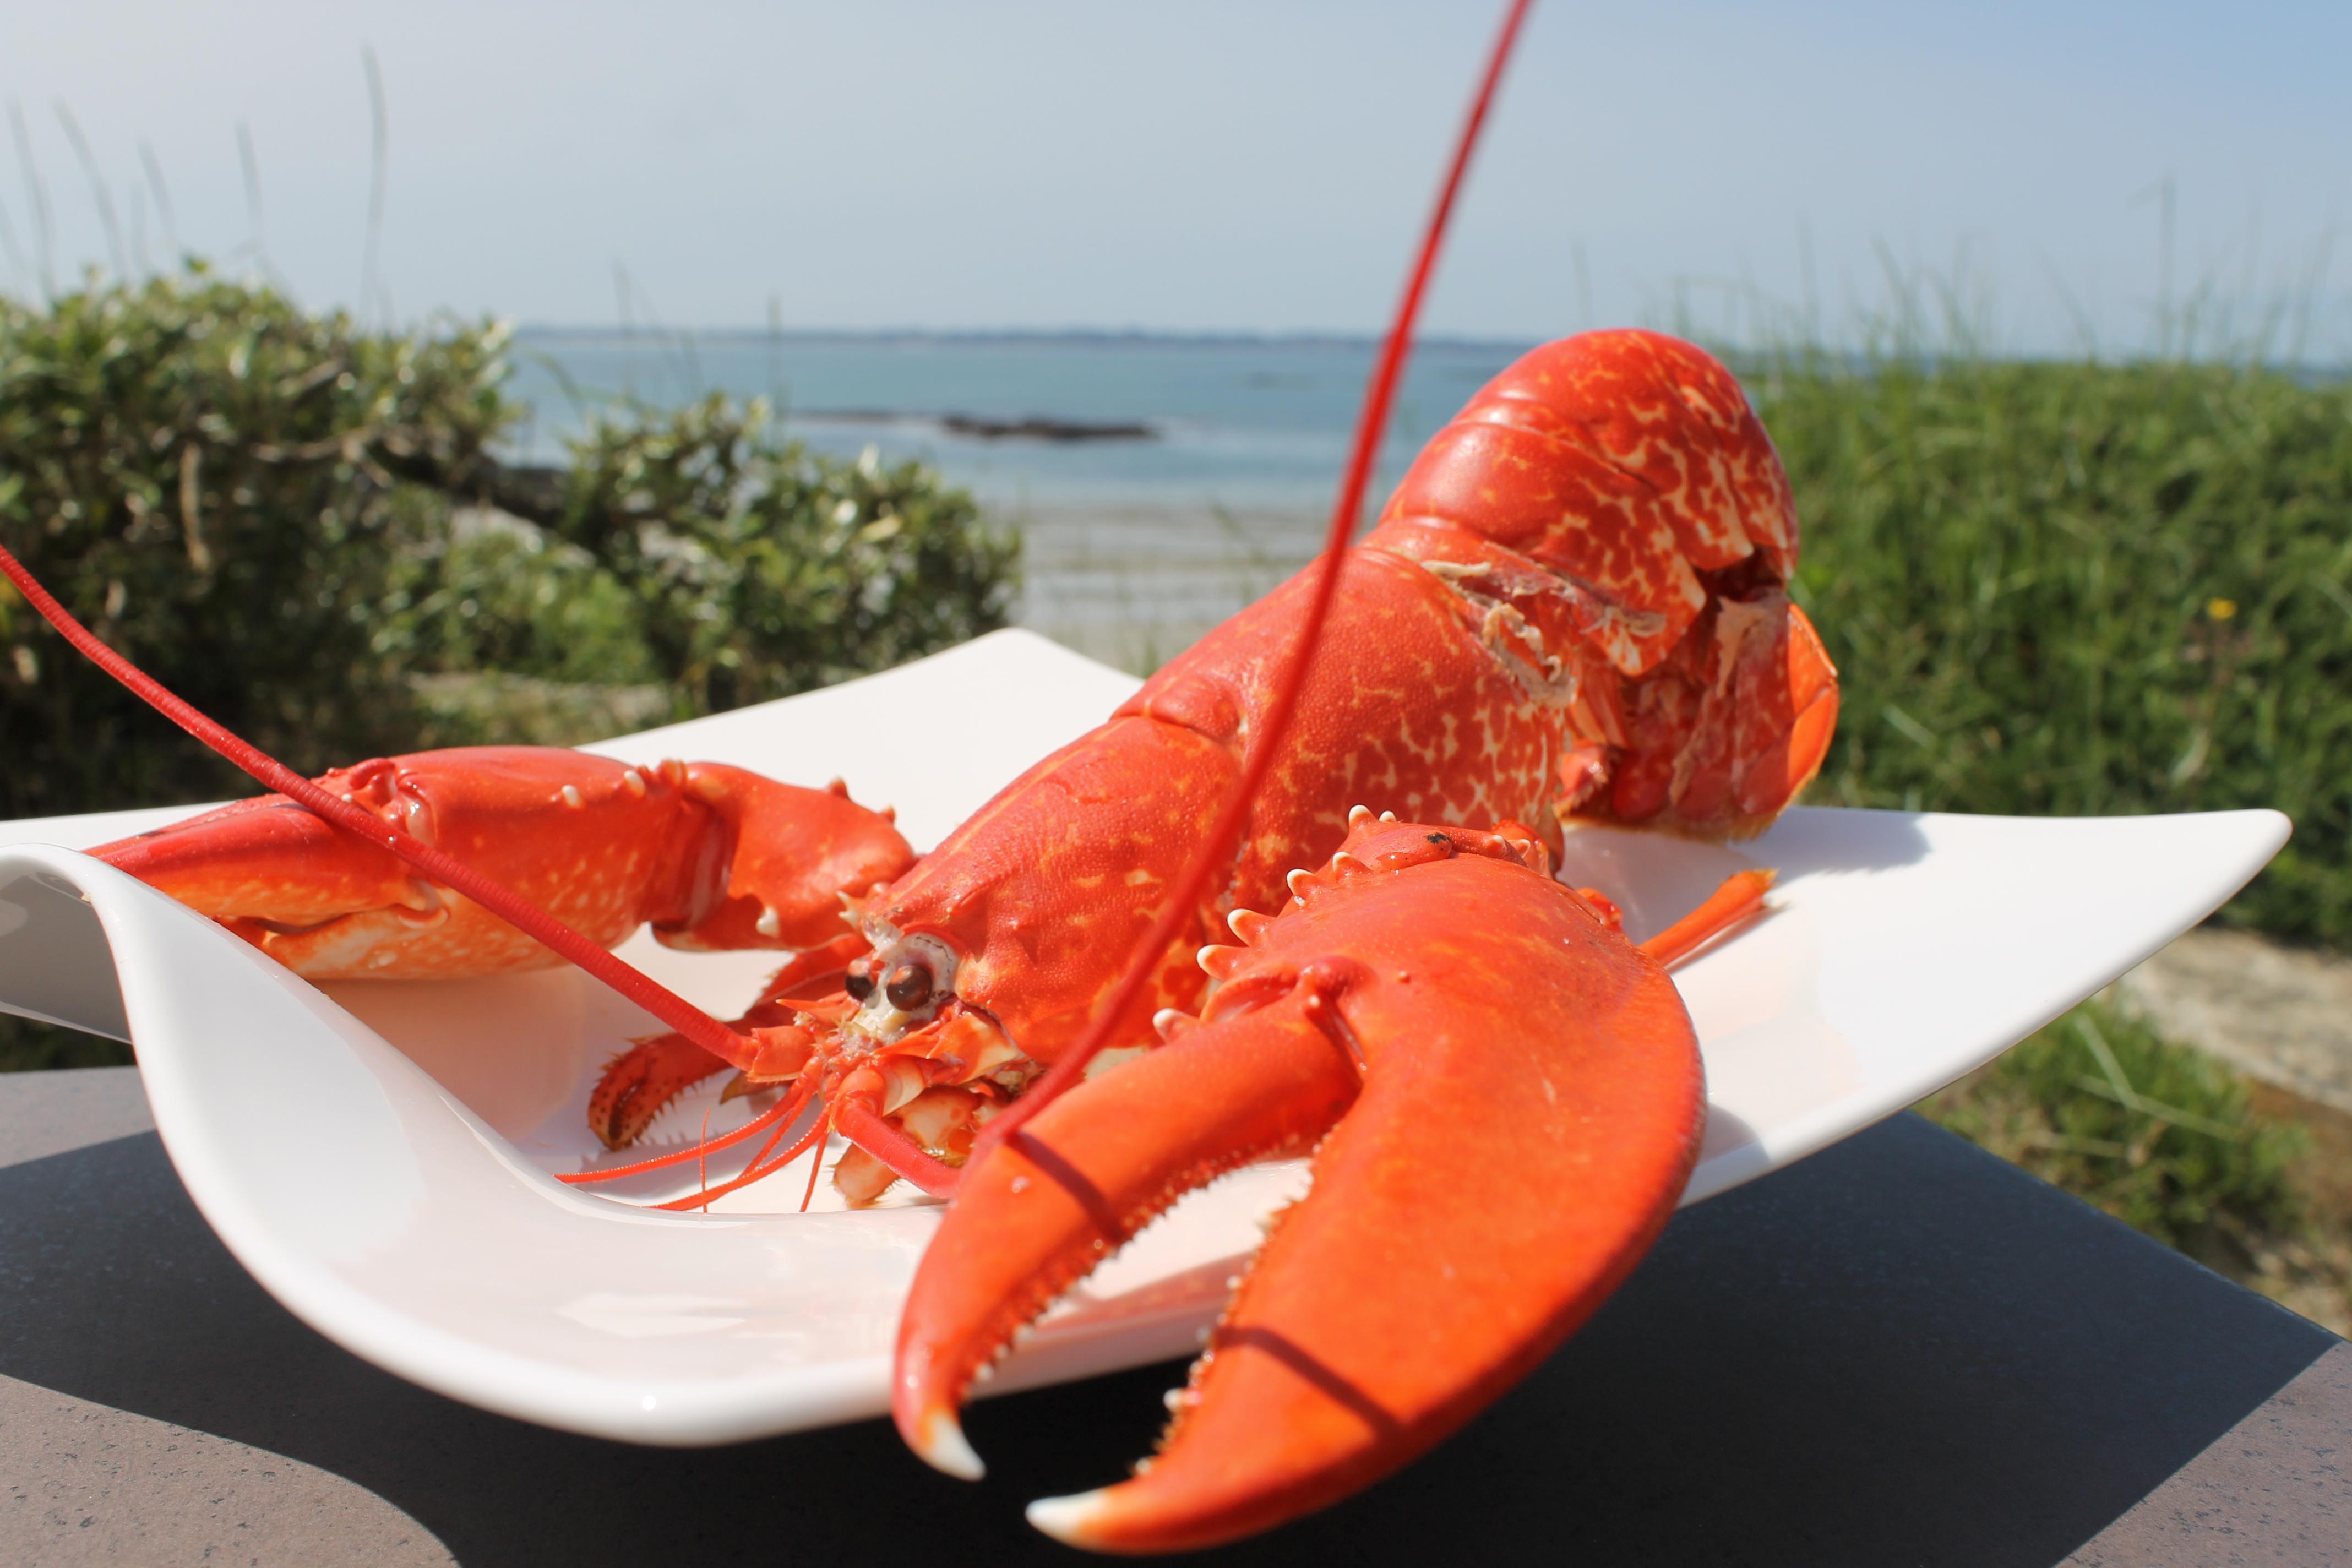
1204,337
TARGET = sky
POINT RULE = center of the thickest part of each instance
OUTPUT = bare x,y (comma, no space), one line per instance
1208,166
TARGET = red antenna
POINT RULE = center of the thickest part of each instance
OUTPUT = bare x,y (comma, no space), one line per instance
656,998
1369,423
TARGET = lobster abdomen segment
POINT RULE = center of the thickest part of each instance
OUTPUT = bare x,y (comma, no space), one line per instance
1628,462
1615,490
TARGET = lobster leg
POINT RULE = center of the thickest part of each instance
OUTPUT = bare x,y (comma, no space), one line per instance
1738,899
644,1078
1431,1006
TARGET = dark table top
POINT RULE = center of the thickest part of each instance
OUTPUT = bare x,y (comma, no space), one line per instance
1899,1352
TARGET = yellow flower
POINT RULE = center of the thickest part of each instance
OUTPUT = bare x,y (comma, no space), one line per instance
2221,609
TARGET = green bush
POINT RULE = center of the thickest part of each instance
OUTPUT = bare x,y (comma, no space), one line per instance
513,600
196,467
306,530
2056,589
745,568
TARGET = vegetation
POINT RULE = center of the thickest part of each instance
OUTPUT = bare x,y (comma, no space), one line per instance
306,529
2075,588
2158,1135
2168,1141
690,549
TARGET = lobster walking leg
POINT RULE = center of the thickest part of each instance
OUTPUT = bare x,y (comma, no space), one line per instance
1740,899
650,1074
1432,997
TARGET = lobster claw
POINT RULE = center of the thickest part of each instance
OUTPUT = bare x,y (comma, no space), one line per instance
1504,1100
714,856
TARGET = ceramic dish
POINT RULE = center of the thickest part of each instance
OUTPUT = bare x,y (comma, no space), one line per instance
378,1155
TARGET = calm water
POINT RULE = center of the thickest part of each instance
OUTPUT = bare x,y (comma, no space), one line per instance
1135,546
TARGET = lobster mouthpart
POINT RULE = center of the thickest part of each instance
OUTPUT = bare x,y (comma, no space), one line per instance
713,856
1429,1004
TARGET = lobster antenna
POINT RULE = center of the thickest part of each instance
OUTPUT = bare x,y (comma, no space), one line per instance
758,1168
656,998
1369,423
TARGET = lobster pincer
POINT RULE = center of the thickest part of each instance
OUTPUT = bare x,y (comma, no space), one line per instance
1429,1002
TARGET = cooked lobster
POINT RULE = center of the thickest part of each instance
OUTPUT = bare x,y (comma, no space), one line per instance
1573,610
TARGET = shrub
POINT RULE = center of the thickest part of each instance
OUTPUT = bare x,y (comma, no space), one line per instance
297,524
196,468
2058,589
743,567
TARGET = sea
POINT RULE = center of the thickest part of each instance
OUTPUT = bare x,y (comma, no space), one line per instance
1159,483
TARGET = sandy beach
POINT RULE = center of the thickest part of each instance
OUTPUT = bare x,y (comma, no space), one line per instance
1133,585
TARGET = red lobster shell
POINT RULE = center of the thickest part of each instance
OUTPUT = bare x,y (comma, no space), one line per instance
1574,608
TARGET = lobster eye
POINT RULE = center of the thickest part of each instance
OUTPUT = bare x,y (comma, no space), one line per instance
909,987
858,984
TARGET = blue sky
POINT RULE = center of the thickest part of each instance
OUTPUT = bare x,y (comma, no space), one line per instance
1220,166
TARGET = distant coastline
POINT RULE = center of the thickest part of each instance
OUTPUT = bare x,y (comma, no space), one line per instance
1191,425
1064,337
984,427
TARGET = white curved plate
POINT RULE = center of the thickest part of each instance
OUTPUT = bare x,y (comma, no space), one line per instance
387,1179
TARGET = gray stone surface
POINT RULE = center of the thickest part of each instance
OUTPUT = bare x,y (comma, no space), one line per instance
2279,1013
2277,1487
89,1484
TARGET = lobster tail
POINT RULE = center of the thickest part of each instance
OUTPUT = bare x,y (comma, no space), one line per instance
1628,464
1616,494
1721,737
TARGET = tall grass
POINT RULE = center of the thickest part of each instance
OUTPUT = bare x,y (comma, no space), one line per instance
2159,1136
2080,588
2171,1141
2088,587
